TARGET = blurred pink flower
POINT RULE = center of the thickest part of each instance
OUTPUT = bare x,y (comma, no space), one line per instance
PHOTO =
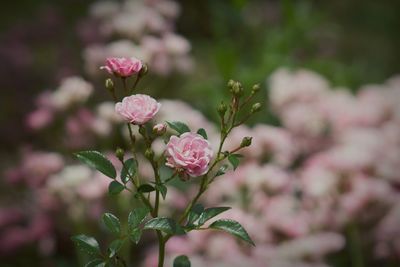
189,152
122,67
137,109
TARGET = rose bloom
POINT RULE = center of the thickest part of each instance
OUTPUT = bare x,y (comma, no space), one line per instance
122,67
189,152
137,109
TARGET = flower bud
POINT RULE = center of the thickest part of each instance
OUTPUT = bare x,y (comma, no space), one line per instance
222,108
109,85
237,89
246,141
119,153
143,71
149,153
255,108
231,83
160,129
256,88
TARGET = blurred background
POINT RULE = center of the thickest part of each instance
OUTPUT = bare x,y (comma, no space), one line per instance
319,187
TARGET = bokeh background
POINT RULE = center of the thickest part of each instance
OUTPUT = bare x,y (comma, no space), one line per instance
320,187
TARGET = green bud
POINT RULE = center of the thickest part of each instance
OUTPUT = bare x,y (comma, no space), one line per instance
255,108
143,71
142,130
222,108
231,83
237,89
246,141
109,85
119,153
149,153
256,88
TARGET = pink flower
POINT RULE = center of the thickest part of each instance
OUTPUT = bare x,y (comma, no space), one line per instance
189,152
122,67
160,128
137,109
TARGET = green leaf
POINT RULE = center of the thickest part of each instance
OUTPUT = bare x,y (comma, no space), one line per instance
129,170
232,227
234,160
112,223
98,161
194,213
135,235
137,216
87,244
96,263
221,170
114,188
163,190
166,225
115,246
181,261
203,133
211,213
146,188
179,127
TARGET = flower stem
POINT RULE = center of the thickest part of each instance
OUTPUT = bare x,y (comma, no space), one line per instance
161,249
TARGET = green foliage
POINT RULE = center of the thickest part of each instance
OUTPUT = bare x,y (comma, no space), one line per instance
166,225
209,213
203,133
137,216
181,261
234,160
112,223
195,213
232,227
114,188
146,188
96,263
179,127
114,247
87,244
97,161
221,170
163,190
129,170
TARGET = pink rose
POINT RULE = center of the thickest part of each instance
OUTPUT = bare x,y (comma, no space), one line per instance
137,109
122,67
189,152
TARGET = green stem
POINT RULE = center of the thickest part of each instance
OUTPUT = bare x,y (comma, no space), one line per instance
161,249
355,246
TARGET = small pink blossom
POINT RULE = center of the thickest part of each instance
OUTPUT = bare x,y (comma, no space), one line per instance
160,128
189,152
122,67
137,109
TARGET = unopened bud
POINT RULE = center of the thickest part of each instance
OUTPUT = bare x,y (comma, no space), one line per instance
160,129
256,88
255,108
231,83
237,89
222,108
246,141
149,153
109,85
143,71
119,153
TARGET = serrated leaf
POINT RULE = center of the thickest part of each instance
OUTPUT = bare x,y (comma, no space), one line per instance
221,170
146,188
137,216
87,244
114,188
209,213
129,170
97,161
179,127
203,133
194,213
112,223
135,235
234,160
96,263
114,247
181,261
232,227
166,225
163,190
